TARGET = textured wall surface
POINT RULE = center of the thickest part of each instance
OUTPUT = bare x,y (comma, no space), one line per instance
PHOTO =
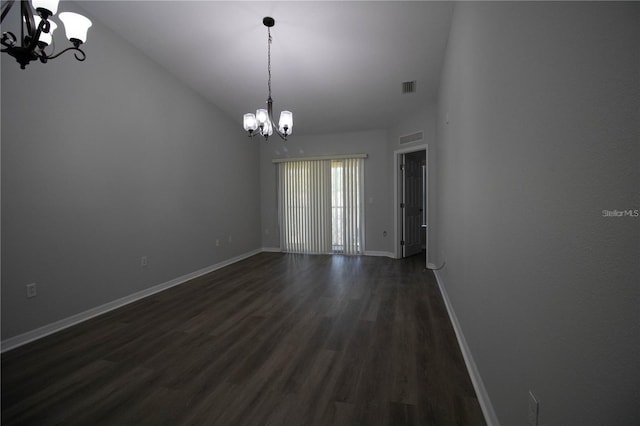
106,161
538,134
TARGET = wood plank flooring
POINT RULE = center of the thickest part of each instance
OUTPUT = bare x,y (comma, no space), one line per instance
277,339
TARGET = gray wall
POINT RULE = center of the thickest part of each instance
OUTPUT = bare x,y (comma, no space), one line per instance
542,101
377,183
106,161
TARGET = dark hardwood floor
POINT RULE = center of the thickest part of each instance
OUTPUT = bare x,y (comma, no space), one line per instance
274,339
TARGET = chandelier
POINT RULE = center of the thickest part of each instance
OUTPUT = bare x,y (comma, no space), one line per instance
262,121
36,31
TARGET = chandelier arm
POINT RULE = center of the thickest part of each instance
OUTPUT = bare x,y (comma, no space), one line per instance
25,11
43,58
33,39
30,40
6,7
82,58
273,124
8,39
283,137
275,128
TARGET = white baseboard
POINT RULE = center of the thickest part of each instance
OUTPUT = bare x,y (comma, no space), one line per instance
379,253
366,253
481,392
38,333
272,249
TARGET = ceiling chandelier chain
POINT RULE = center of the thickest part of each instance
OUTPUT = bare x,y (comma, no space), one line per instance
36,31
262,121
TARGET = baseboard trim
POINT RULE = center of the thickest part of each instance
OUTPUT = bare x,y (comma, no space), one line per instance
481,392
39,333
366,253
379,253
272,249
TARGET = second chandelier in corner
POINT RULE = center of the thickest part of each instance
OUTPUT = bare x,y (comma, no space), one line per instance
262,121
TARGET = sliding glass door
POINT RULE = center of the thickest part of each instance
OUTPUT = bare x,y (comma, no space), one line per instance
321,205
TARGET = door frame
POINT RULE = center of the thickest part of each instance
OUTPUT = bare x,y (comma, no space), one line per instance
397,197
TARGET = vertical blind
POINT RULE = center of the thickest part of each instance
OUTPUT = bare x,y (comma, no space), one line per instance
321,205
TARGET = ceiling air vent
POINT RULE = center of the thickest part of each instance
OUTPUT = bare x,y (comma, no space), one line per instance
408,87
413,137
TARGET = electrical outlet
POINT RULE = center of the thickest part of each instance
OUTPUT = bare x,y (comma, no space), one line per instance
534,409
230,239
217,242
32,291
144,261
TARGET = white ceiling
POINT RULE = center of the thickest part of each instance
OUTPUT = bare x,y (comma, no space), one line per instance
338,66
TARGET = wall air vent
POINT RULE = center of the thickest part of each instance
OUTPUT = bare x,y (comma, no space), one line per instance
408,87
413,137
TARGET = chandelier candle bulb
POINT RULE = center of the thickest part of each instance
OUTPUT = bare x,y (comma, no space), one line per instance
75,26
51,6
286,122
268,128
250,123
262,116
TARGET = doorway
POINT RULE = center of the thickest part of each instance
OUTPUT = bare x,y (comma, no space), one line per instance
412,201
